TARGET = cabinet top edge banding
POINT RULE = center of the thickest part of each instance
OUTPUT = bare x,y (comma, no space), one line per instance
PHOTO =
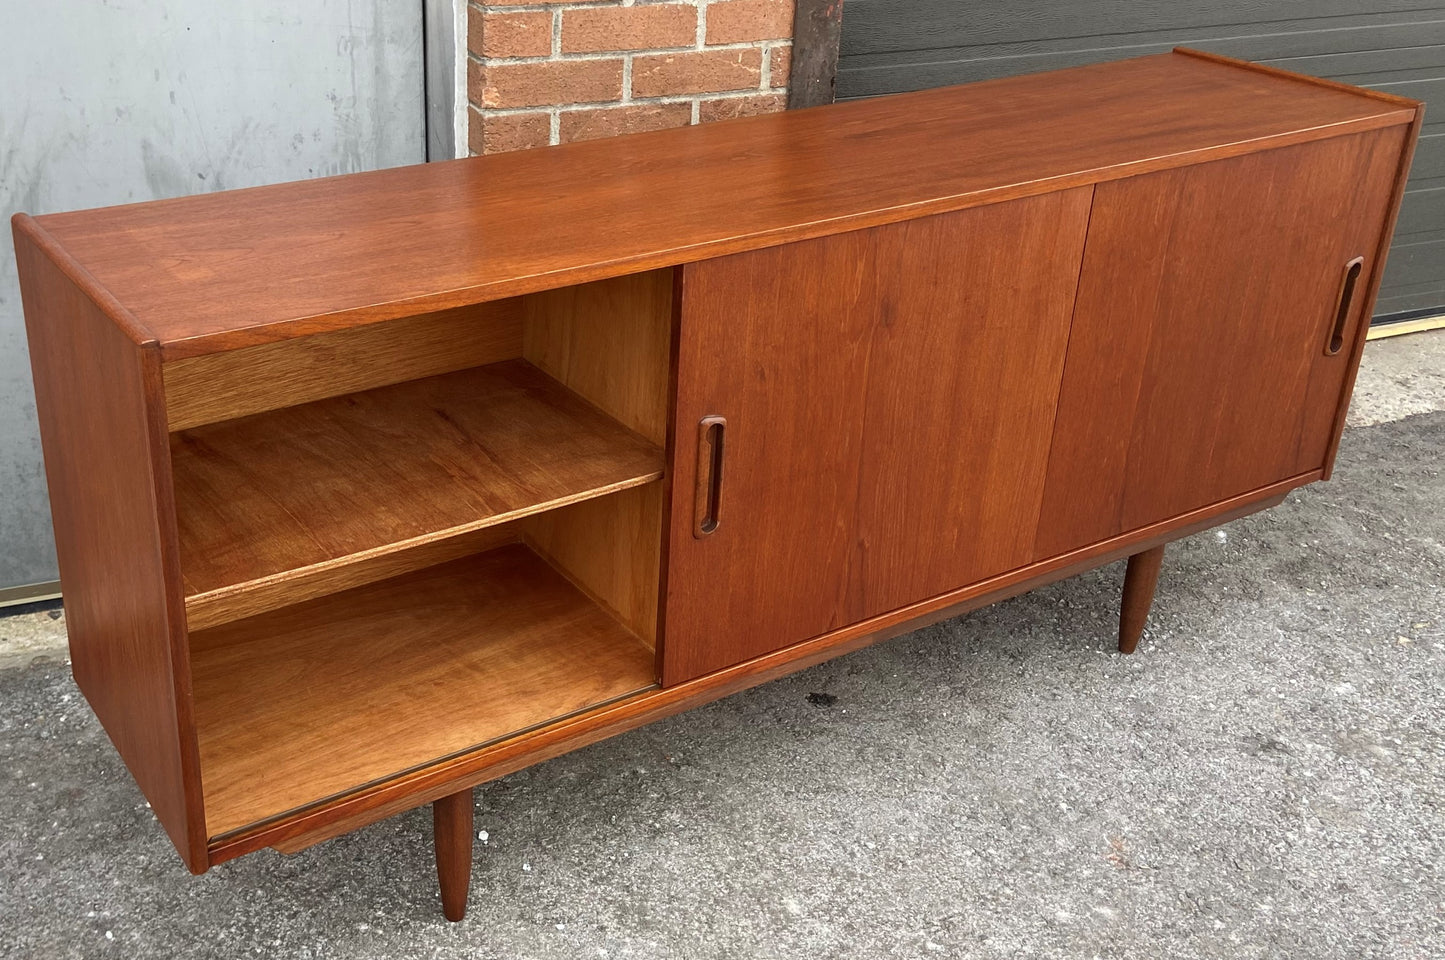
220,271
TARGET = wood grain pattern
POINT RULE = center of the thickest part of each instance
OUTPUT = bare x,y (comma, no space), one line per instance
889,396
229,270
610,548
237,383
216,607
609,342
1196,365
424,785
324,697
109,481
1264,68
1372,288
894,457
282,495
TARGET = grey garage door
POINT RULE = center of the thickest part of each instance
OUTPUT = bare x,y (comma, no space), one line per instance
890,46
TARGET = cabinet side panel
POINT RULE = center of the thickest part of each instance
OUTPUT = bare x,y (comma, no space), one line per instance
1197,367
610,547
103,435
610,342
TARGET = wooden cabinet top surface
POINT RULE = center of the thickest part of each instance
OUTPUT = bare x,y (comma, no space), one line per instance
225,270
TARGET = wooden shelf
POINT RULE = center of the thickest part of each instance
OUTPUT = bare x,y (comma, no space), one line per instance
286,505
302,704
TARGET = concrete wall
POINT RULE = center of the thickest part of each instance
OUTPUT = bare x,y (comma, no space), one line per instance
105,103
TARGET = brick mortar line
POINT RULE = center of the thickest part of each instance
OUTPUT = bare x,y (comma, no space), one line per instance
693,98
767,46
537,7
699,5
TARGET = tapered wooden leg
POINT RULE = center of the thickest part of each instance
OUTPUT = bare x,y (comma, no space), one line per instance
1139,581
452,826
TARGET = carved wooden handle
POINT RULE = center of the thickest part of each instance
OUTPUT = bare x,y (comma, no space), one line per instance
708,494
1342,313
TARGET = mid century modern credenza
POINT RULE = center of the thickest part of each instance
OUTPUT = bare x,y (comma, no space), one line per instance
372,488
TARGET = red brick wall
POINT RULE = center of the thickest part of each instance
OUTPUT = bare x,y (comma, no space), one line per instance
545,73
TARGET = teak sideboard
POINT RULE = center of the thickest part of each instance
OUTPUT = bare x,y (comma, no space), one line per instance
372,488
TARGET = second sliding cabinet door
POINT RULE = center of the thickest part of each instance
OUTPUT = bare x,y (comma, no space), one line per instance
1217,314
863,421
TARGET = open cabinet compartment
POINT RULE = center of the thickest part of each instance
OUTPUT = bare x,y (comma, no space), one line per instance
308,702
408,540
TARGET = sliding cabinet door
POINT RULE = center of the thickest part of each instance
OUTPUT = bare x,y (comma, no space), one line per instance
863,421
1218,314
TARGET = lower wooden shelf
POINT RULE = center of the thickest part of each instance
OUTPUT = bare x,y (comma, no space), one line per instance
301,704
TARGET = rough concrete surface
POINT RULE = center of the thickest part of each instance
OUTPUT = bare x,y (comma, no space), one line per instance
1265,778
34,633
1399,377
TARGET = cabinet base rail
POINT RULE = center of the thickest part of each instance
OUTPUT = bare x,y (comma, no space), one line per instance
335,816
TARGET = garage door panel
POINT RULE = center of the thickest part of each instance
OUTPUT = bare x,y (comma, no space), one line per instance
1429,156
891,46
1360,47
898,24
1422,213
1426,298
1375,68
1413,263
1418,88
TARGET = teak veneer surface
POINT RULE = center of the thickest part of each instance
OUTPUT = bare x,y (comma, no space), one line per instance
104,438
239,383
279,494
1197,367
227,270
887,441
304,703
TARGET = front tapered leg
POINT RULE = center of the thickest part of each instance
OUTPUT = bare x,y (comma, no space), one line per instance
452,827
1139,582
